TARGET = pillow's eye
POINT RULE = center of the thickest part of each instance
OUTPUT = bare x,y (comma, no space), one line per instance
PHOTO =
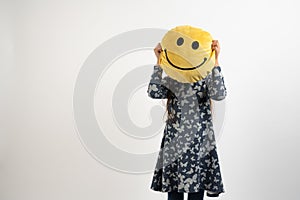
180,41
195,45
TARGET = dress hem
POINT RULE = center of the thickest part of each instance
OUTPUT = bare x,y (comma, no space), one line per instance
214,194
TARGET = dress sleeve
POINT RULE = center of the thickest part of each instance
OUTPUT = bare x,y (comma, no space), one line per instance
216,89
158,87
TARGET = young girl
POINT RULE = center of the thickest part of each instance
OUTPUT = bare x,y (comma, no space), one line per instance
188,160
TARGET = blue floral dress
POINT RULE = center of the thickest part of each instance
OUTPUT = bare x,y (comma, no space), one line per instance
188,159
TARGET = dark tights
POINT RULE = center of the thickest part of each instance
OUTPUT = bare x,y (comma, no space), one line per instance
191,196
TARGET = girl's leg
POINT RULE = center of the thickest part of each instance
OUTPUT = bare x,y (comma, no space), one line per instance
196,195
175,195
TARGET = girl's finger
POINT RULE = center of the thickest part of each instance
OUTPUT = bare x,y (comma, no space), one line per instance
216,42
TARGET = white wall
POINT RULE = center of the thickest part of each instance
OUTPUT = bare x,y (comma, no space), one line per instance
44,44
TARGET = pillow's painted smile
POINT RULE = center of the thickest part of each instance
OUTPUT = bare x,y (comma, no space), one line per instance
190,68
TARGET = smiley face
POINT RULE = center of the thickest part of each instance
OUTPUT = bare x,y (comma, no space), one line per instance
187,54
180,43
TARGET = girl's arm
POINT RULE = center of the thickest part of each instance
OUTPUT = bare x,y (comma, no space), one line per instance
216,89
158,87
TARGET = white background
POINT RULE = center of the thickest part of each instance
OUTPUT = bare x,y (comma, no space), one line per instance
44,43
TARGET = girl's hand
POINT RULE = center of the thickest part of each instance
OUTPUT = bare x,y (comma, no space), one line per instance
215,46
157,51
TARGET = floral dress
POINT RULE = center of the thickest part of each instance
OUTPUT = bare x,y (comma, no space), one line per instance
188,159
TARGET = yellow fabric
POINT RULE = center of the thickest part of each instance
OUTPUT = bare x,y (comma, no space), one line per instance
180,60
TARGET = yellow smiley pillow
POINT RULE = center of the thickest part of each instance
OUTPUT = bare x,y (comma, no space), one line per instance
187,55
